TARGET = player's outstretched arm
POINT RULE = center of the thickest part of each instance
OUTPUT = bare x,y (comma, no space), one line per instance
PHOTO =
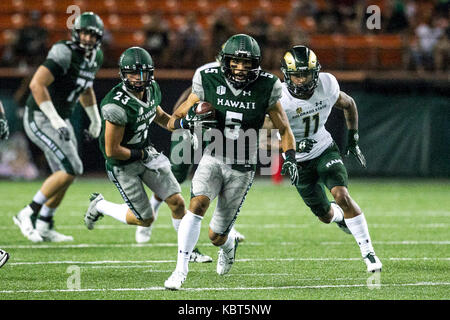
162,118
89,103
348,105
175,121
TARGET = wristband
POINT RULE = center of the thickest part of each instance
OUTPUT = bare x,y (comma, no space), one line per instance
136,154
180,124
353,135
290,154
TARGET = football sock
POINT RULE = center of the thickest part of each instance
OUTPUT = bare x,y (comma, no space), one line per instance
229,244
176,224
188,234
47,212
338,213
116,211
358,226
38,200
155,204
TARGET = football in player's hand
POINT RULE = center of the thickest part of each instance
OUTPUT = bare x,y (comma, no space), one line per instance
204,108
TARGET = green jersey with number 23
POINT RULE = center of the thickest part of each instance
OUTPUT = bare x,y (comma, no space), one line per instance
122,108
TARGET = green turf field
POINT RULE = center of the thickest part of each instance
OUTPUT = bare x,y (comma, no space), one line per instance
287,254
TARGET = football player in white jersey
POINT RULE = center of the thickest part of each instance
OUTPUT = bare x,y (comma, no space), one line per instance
307,99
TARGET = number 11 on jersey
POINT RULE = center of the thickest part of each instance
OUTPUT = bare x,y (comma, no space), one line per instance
307,122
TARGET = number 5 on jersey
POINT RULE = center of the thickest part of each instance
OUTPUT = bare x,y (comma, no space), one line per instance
233,122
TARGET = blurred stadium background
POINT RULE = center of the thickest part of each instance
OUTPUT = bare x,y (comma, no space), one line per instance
398,74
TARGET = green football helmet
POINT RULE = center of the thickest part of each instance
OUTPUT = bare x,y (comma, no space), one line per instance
301,61
136,60
90,22
240,46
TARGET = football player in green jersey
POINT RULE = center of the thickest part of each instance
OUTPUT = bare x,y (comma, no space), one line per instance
308,97
181,170
131,161
241,94
65,77
4,133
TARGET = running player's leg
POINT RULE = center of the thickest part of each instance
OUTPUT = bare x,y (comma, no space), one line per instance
63,159
136,210
206,185
235,187
334,174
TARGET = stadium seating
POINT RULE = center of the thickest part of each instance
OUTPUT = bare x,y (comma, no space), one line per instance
125,20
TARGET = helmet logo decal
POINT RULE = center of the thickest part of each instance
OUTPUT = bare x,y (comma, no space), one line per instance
312,60
290,61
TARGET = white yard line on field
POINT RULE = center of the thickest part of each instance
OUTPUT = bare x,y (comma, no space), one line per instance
249,226
325,286
99,262
404,242
174,244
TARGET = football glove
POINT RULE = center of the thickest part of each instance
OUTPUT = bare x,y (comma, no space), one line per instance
64,133
290,166
305,145
4,129
61,127
147,155
353,148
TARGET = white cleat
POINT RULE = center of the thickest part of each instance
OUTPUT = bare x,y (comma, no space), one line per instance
175,281
24,222
197,256
46,231
239,236
92,215
226,259
372,262
4,256
143,234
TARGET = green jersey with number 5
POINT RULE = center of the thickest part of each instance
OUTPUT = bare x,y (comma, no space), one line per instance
122,108
73,73
240,112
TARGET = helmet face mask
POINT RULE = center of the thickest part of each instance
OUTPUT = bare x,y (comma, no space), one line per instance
301,69
240,60
87,23
137,80
88,45
136,69
241,71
